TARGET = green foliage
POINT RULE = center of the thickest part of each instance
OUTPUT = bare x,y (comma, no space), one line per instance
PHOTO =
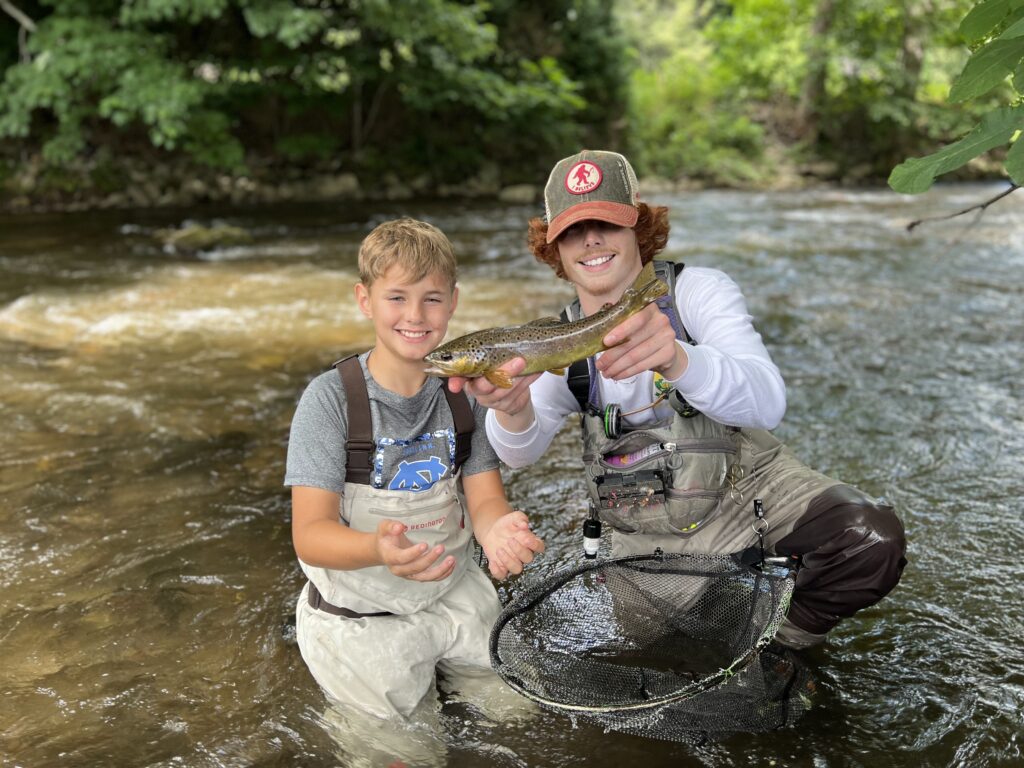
685,116
986,16
722,89
987,68
996,128
449,89
995,29
215,77
291,25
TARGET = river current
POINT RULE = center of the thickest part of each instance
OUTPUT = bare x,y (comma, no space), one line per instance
147,578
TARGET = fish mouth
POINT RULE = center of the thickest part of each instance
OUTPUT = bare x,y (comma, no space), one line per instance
431,369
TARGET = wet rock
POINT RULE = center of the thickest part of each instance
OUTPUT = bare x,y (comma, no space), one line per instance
518,193
114,200
486,182
656,185
194,237
340,187
395,189
821,169
196,188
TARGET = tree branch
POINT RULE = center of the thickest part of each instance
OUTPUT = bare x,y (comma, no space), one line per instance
18,15
978,207
25,25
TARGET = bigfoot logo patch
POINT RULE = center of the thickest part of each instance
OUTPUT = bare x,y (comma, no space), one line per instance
582,178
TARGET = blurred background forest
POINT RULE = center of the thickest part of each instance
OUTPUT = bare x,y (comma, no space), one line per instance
114,103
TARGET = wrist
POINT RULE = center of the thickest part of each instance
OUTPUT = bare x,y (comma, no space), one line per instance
676,367
516,423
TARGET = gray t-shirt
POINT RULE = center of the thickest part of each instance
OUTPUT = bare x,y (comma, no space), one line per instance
414,436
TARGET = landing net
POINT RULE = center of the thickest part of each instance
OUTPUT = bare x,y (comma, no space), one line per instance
665,646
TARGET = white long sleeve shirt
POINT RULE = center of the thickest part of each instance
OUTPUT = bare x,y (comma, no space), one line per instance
730,376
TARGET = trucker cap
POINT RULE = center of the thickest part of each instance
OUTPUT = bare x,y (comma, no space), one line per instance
590,185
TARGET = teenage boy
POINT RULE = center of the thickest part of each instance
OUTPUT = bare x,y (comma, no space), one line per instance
712,477
384,465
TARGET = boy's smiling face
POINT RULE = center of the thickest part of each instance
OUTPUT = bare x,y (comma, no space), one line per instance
410,317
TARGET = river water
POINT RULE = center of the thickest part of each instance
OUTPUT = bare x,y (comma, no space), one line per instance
147,579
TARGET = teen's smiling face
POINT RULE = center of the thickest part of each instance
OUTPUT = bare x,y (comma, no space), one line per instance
600,259
410,318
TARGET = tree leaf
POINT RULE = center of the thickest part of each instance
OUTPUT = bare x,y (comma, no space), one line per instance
1018,78
1014,29
916,175
988,67
986,16
1015,162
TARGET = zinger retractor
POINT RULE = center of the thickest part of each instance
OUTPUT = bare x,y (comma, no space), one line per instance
611,415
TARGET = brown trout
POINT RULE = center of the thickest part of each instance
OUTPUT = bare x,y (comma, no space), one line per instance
548,344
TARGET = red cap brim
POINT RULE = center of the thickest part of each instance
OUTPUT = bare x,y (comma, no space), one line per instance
614,213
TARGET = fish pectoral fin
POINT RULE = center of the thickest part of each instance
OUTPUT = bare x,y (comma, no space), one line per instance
552,320
499,379
557,371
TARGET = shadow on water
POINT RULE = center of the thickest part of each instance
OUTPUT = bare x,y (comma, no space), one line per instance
145,557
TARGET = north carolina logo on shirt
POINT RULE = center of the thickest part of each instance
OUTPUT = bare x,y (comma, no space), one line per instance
418,475
582,178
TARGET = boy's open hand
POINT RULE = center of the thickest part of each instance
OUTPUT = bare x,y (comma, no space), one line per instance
417,562
510,544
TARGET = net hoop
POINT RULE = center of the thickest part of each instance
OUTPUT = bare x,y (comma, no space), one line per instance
525,600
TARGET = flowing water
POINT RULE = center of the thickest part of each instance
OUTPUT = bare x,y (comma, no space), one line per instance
147,579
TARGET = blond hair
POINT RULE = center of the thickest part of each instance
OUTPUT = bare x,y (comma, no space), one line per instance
418,248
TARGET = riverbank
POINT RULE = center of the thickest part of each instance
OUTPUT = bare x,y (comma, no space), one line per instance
105,182
101,183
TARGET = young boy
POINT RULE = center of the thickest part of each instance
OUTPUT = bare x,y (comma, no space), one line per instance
378,519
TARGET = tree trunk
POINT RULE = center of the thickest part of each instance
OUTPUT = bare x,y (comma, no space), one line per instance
812,95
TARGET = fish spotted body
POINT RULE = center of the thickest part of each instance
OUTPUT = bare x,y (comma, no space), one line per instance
547,344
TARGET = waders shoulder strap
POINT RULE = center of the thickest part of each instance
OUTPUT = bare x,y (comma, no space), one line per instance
579,372
462,415
359,445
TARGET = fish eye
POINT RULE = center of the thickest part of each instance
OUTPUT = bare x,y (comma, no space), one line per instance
445,356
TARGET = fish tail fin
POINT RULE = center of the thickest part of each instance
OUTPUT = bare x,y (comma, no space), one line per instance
647,285
646,276
653,290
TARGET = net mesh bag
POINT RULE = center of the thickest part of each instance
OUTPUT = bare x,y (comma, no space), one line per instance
665,646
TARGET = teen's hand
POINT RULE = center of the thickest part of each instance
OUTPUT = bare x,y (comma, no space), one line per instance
643,342
510,401
417,562
510,544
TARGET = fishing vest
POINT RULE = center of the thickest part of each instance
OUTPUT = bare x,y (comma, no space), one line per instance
436,515
669,477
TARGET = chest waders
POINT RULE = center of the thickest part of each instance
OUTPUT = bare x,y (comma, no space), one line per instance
755,496
435,516
668,478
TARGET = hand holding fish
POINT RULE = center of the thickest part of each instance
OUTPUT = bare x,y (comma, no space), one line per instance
643,342
510,544
547,344
512,402
417,562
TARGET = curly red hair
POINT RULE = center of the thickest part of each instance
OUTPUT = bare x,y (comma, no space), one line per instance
651,237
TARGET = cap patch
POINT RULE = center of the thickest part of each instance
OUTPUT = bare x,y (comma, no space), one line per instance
583,177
